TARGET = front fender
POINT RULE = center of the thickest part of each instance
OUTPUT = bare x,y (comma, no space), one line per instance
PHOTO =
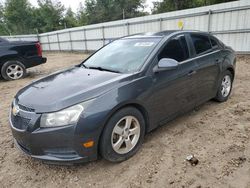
102,108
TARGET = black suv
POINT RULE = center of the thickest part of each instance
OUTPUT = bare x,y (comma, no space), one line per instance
17,56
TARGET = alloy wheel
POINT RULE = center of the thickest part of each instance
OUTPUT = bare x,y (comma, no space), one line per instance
14,71
125,135
226,86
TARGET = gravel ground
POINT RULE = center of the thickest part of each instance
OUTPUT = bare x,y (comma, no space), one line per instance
217,134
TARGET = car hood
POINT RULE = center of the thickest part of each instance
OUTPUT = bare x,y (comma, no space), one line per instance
66,88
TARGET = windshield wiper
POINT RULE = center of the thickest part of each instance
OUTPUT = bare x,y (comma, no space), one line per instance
85,66
104,69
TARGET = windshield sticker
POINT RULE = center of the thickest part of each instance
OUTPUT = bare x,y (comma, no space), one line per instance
144,44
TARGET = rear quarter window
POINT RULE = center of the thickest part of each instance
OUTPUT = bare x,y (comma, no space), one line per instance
201,43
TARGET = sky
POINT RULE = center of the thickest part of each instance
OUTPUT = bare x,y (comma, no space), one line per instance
75,3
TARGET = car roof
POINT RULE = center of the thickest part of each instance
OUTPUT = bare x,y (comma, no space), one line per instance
3,39
162,34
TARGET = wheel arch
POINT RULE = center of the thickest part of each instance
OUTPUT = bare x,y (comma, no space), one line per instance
230,69
8,57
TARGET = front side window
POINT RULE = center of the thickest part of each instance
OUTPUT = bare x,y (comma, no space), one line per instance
214,43
124,55
176,49
201,43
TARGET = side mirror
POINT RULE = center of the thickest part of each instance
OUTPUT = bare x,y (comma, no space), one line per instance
166,64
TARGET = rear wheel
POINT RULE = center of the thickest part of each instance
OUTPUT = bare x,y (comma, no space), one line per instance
225,87
13,70
123,135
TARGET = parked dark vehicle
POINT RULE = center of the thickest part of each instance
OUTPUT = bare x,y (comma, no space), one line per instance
17,56
109,102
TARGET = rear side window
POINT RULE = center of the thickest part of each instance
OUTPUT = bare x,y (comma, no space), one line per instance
201,43
176,49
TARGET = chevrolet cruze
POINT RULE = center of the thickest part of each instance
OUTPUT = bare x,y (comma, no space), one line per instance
105,105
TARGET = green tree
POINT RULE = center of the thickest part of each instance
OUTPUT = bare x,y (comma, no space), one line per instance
18,16
98,11
49,16
172,5
3,29
70,19
81,15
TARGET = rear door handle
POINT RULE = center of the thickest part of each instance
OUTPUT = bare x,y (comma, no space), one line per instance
217,61
192,72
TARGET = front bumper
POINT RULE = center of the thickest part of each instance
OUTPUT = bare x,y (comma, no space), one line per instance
52,145
53,159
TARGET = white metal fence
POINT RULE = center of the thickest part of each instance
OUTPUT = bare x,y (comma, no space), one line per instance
228,21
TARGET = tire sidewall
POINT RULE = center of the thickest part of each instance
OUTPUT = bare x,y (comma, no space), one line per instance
106,148
7,64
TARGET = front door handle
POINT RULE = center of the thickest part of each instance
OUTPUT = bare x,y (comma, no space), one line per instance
192,72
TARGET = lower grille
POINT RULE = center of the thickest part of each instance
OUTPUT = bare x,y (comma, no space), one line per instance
20,122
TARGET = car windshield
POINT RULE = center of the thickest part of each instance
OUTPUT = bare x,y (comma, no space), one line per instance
123,55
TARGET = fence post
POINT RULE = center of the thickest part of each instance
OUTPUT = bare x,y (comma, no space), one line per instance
58,41
85,40
209,20
49,42
103,35
38,38
128,29
37,35
70,41
160,24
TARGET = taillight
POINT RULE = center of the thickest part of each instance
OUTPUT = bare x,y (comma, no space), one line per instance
39,49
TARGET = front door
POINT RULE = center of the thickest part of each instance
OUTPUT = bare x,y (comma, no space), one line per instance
173,91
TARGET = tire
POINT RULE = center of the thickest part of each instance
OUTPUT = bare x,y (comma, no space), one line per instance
15,67
110,139
225,87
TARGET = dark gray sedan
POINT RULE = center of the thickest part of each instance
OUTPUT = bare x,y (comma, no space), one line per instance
107,104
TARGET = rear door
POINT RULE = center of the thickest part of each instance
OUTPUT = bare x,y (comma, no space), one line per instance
207,58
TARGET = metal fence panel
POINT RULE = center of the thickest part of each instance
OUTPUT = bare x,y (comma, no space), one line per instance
115,32
228,21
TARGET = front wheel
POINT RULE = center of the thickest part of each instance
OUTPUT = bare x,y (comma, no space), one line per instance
123,135
225,88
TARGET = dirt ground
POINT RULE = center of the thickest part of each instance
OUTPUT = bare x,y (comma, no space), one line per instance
217,134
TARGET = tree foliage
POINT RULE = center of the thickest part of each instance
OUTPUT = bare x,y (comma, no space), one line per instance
97,11
172,5
81,15
20,17
49,16
17,16
70,19
3,29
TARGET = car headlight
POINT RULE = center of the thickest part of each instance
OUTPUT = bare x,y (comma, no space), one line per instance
64,117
